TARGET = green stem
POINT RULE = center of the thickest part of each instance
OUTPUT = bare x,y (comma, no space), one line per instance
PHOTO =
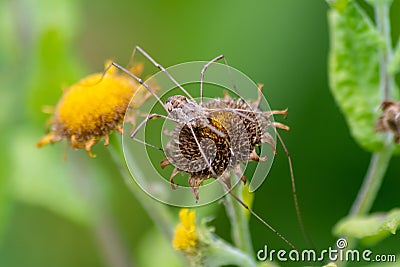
239,221
108,237
372,182
369,190
380,160
383,26
157,211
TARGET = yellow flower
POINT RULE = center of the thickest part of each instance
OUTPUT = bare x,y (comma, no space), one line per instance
185,237
92,108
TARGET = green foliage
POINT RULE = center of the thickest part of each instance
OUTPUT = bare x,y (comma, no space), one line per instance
36,172
339,5
394,66
49,65
380,2
385,264
151,243
360,79
370,229
354,72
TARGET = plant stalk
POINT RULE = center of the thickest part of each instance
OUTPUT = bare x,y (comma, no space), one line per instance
157,211
379,160
382,17
239,221
372,182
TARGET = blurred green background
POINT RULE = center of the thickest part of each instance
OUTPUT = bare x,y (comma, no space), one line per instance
65,213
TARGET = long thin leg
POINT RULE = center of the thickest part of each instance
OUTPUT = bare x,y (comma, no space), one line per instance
296,201
151,116
202,75
205,68
267,113
130,74
259,94
147,144
202,152
258,217
161,68
230,76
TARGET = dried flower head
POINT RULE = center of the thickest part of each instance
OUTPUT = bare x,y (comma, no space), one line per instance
92,108
185,237
390,119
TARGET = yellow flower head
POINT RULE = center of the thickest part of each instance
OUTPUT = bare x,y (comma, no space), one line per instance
185,237
92,108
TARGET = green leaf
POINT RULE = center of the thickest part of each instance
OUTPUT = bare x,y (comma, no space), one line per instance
354,72
386,264
370,229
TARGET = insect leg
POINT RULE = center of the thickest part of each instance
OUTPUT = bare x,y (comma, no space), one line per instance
202,75
259,94
201,150
258,217
161,68
149,117
139,80
295,199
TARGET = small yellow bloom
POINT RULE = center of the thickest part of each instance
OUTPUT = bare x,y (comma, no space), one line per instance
92,108
185,237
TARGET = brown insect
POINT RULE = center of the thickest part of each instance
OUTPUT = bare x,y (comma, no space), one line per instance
215,137
232,125
389,121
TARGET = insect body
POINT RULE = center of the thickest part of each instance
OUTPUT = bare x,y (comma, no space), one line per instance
212,139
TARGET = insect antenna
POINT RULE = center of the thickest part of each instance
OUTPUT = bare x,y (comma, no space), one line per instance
294,192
